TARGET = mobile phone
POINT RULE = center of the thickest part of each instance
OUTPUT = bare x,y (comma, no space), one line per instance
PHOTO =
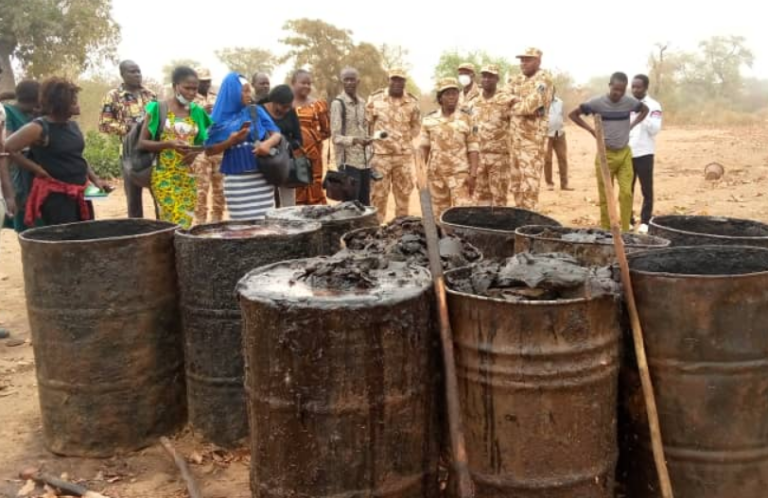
246,125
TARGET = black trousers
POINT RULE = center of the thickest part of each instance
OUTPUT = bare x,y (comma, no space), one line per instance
643,167
363,176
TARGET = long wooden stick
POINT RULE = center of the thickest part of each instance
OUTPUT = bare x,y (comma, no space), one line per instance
637,330
181,464
465,486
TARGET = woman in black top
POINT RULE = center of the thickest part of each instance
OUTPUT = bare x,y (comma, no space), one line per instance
56,158
279,106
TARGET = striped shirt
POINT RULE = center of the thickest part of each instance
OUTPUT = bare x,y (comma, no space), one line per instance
616,118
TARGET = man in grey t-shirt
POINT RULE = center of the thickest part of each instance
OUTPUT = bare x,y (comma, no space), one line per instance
615,109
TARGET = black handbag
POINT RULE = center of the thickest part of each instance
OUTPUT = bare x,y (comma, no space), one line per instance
277,165
300,174
339,185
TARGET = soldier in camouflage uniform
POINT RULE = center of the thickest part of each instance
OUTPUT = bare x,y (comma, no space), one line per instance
469,90
492,112
396,112
206,168
449,142
530,117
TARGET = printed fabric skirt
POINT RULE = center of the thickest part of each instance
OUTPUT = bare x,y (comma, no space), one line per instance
248,196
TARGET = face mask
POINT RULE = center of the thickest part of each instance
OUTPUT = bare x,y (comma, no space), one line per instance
184,102
465,80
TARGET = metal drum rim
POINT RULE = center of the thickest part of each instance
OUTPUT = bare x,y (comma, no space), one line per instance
323,302
548,302
370,212
490,230
691,276
311,225
169,228
576,243
711,235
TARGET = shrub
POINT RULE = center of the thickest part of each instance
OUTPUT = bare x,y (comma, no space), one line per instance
103,154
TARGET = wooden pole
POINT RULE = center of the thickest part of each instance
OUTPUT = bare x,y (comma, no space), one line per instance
181,464
637,330
465,486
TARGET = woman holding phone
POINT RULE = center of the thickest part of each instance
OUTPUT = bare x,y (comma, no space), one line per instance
242,132
181,140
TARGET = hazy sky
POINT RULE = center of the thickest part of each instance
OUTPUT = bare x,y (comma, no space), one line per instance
576,36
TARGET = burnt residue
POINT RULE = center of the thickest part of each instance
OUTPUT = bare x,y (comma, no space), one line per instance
404,240
704,312
704,230
491,229
103,313
210,260
341,383
538,384
534,277
589,246
336,220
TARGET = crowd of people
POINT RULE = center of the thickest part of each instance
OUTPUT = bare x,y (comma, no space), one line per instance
486,140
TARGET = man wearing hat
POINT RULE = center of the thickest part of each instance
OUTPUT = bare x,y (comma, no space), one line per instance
394,113
206,168
492,112
467,81
534,90
451,147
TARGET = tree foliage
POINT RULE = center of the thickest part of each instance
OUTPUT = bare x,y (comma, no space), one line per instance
247,61
450,60
173,64
45,36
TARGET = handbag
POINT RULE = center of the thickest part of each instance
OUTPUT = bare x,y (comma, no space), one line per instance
300,174
137,164
277,165
339,185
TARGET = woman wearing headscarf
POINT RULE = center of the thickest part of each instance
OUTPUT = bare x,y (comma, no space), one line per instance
242,132
315,127
181,139
279,105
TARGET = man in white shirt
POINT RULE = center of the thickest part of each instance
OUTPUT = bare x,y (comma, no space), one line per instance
642,140
557,143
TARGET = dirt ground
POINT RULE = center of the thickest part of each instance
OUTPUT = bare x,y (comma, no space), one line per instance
680,188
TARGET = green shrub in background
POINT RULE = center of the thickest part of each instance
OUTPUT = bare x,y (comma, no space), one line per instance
103,154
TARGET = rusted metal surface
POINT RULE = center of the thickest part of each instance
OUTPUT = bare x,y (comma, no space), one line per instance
209,268
538,382
341,387
543,239
704,230
491,229
332,229
705,314
103,312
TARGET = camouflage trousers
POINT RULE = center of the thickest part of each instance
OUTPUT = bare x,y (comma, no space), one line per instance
447,190
527,164
208,179
397,172
492,185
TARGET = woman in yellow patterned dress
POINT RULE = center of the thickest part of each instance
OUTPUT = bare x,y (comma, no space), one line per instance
180,140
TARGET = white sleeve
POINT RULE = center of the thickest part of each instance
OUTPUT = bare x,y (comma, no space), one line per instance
652,123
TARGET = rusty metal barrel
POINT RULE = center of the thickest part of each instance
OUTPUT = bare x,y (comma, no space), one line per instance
704,312
335,220
103,313
341,384
591,247
709,230
210,260
538,385
491,229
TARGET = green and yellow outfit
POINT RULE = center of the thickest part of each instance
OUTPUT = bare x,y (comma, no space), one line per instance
173,182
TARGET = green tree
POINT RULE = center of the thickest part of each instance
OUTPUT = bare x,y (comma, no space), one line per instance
246,61
44,36
720,62
173,64
450,60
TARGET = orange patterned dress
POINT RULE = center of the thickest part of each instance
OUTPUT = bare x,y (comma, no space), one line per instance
315,127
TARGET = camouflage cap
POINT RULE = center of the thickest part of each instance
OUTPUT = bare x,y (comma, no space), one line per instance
398,72
447,84
467,66
203,74
531,52
490,69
